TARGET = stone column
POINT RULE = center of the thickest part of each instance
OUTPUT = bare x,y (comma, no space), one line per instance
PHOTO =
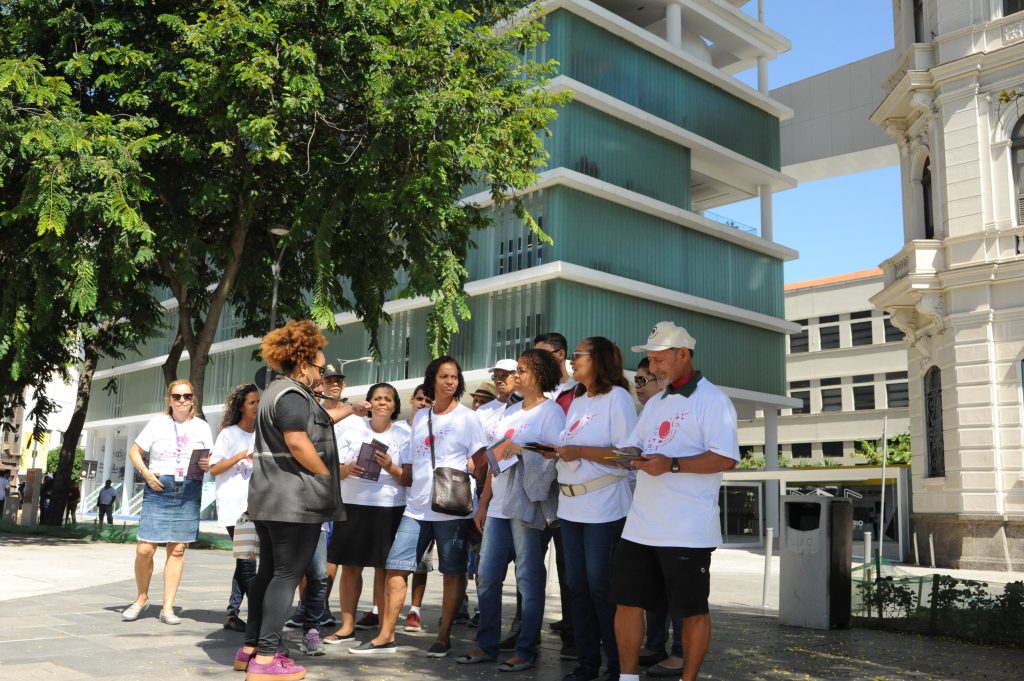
771,463
674,25
108,454
762,62
765,192
131,432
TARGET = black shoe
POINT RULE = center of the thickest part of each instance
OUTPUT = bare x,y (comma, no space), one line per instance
234,623
509,642
568,652
461,618
580,674
653,657
556,626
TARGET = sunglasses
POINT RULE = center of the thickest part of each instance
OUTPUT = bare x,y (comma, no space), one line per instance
321,369
577,355
641,381
184,397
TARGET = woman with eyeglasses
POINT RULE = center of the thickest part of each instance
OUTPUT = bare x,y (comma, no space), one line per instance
293,490
170,500
595,498
646,383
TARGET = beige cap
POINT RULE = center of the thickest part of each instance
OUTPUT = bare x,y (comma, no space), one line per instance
666,335
486,389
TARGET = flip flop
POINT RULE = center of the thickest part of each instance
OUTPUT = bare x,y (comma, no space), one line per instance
474,659
660,672
336,638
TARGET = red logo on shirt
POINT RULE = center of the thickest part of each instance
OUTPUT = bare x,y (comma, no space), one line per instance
510,432
579,424
666,432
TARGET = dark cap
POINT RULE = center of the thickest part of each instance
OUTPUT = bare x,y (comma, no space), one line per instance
331,371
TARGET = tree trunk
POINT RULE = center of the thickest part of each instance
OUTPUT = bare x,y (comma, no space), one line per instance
62,481
170,366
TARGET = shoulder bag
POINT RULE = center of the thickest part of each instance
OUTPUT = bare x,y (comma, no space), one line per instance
452,494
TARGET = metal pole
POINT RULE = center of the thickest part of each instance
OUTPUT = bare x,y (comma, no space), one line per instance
276,270
885,455
768,544
867,552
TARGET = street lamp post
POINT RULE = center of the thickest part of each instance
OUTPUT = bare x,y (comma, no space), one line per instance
275,268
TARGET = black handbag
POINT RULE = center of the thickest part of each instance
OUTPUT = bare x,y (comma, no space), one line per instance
453,492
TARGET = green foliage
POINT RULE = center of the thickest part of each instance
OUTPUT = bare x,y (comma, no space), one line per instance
53,459
888,598
960,594
748,462
897,450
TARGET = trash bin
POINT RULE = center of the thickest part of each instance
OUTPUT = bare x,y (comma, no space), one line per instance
814,575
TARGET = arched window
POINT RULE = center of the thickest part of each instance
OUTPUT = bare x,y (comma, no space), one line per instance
1017,156
926,198
933,423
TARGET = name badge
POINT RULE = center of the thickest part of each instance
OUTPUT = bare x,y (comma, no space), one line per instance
179,474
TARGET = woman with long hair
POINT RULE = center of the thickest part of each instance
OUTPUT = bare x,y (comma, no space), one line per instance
446,435
170,500
373,507
231,468
515,509
595,498
293,490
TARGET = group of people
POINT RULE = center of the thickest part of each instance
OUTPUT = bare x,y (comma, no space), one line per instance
631,501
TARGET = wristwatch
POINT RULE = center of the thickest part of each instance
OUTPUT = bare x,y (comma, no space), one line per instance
675,465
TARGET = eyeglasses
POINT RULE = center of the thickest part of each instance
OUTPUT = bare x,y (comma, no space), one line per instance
184,397
641,381
580,354
321,369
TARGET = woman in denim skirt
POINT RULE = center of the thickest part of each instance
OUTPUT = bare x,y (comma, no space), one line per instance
170,501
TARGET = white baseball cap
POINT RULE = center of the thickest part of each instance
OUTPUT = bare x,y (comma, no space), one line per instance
505,365
666,335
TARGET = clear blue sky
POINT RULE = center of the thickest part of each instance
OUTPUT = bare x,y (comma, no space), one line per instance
847,223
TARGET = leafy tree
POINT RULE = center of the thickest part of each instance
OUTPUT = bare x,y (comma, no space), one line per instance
897,450
53,462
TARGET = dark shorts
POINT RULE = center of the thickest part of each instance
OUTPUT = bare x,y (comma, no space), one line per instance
365,536
648,577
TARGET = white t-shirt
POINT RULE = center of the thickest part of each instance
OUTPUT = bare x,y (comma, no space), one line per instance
457,436
107,496
596,421
491,419
386,491
232,484
681,509
352,421
170,443
541,424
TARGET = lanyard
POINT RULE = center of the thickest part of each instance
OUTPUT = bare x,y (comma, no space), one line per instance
178,440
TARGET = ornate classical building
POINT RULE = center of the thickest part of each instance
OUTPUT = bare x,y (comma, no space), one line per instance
956,289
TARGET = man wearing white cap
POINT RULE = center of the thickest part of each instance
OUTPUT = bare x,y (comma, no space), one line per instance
688,438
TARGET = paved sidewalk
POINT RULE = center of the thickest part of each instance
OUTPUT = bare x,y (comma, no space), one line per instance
63,622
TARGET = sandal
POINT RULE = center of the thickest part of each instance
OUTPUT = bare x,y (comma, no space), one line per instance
338,638
475,659
515,666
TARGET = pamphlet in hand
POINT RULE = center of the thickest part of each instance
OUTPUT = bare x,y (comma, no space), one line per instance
367,460
194,471
624,458
542,449
499,466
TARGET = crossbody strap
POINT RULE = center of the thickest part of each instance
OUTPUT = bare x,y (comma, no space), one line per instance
430,432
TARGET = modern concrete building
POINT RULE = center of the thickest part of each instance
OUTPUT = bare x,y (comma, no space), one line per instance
847,365
956,289
658,132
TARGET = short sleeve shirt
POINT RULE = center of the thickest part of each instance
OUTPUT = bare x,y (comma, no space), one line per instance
681,509
232,484
541,424
457,436
385,491
170,443
596,421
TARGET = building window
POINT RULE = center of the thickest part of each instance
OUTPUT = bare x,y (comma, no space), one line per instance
933,423
804,395
1017,154
828,332
832,399
863,397
919,21
1012,7
798,340
832,450
892,334
831,381
861,334
926,197
801,450
897,395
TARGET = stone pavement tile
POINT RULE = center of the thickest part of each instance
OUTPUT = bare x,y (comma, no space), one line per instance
42,671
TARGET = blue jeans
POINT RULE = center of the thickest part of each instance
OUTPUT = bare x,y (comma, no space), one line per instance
506,540
245,572
589,548
658,628
315,599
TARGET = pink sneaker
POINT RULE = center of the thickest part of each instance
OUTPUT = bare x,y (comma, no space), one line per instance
280,668
242,659
413,622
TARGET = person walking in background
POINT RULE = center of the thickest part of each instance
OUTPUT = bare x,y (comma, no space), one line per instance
595,497
293,490
5,489
71,510
105,502
231,468
170,500
688,439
